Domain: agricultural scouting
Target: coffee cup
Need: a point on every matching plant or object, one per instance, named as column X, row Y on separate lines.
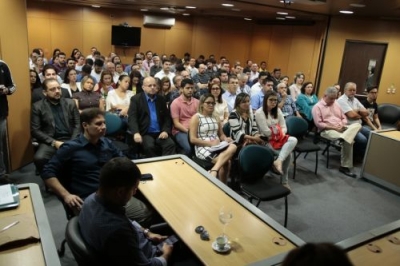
column 221, row 242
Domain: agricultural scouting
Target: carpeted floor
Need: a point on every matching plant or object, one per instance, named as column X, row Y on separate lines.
column 327, row 207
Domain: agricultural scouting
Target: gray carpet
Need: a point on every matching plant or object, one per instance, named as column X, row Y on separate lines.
column 327, row 207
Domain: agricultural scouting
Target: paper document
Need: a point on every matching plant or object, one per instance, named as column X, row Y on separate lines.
column 220, row 146
column 6, row 195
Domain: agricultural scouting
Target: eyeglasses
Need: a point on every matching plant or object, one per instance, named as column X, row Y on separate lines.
column 215, row 89
column 204, row 235
column 210, row 103
column 272, row 100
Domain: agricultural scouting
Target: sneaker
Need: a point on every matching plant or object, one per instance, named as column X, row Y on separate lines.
column 286, row 185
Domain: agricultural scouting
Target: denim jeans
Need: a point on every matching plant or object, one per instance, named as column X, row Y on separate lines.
column 182, row 140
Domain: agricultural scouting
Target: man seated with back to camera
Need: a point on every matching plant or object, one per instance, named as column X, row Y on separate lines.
column 73, row 172
column 115, row 238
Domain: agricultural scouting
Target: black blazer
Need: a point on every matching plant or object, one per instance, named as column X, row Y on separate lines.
column 37, row 94
column 139, row 115
column 42, row 121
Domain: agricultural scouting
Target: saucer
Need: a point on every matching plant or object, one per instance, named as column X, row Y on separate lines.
column 215, row 247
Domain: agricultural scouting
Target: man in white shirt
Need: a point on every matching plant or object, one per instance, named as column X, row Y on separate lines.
column 165, row 72
column 97, row 69
column 254, row 72
column 354, row 112
column 230, row 94
column 256, row 88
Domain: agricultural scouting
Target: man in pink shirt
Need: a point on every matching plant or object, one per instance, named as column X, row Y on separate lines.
column 332, row 124
column 182, row 110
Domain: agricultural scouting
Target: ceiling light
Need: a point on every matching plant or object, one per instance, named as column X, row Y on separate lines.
column 290, row 17
column 185, row 14
column 236, row 9
column 96, row 6
column 287, row 2
column 282, row 13
column 247, row 19
column 190, row 7
column 228, row 5
column 144, row 9
column 164, row 8
column 357, row 5
column 346, row 12
column 280, row 18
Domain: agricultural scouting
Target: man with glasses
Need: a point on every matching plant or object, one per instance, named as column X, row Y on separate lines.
column 286, row 103
column 258, row 98
column 182, row 110
column 150, row 122
column 372, row 120
column 54, row 120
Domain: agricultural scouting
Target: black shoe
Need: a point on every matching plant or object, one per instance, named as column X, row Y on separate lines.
column 347, row 171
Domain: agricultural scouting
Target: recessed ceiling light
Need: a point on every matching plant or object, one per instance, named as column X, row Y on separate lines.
column 164, row 8
column 228, row 5
column 185, row 14
column 357, row 5
column 96, row 6
column 247, row 19
column 280, row 18
column 236, row 9
column 144, row 9
column 287, row 2
column 346, row 12
column 282, row 13
column 290, row 17
column 190, row 7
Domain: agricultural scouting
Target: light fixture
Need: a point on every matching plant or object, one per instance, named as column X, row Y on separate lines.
column 282, row 13
column 346, row 12
column 247, row 19
column 290, row 17
column 96, row 6
column 236, row 9
column 144, row 10
column 280, row 18
column 185, row 14
column 227, row 5
column 164, row 8
column 190, row 7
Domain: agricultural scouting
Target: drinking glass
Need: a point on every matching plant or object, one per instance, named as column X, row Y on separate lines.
column 225, row 216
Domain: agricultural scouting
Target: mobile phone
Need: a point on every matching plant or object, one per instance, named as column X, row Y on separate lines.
column 171, row 240
column 146, row 177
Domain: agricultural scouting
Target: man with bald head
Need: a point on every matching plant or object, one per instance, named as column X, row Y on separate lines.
column 150, row 122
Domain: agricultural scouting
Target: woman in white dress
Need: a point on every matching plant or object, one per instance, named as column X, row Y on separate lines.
column 118, row 100
column 205, row 132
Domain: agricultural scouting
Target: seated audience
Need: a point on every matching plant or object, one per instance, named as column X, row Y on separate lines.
column 243, row 87
column 157, row 67
column 258, row 86
column 324, row 254
column 221, row 107
column 305, row 102
column 135, row 84
column 49, row 72
column 165, row 89
column 182, row 110
column 231, row 91
column 271, row 123
column 205, row 132
column 54, row 120
column 276, row 77
column 73, row 172
column 242, row 122
column 87, row 98
column 286, row 103
column 295, row 88
column 150, row 122
column 97, row 69
column 34, row 80
column 332, row 124
column 372, row 120
column 114, row 238
column 70, row 83
column 166, row 71
column 355, row 112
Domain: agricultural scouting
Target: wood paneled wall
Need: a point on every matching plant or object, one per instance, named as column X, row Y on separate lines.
column 292, row 48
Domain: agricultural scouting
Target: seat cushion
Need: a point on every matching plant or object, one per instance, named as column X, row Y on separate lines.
column 306, row 146
column 265, row 189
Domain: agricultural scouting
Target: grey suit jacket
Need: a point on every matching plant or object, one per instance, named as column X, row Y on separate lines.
column 42, row 120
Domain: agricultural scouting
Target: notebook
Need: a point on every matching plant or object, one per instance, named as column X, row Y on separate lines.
column 9, row 197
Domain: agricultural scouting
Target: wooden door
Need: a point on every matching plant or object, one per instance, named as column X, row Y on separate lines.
column 362, row 64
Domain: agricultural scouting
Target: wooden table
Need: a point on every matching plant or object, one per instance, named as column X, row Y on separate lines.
column 381, row 163
column 37, row 254
column 186, row 196
column 385, row 238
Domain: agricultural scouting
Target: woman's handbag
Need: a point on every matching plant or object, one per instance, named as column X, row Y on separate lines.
column 277, row 138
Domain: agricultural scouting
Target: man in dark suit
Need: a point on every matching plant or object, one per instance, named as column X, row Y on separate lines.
column 150, row 122
column 49, row 72
column 53, row 121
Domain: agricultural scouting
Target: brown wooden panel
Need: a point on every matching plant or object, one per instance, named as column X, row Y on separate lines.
column 66, row 34
column 281, row 42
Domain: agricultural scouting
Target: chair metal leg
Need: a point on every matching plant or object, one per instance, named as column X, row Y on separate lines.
column 61, row 251
column 286, row 211
column 294, row 164
column 327, row 158
column 305, row 155
column 258, row 203
column 316, row 162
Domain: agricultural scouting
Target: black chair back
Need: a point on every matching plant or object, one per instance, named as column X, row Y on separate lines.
column 255, row 161
column 79, row 248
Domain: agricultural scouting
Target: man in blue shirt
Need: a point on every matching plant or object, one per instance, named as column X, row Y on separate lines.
column 150, row 122
column 73, row 172
column 258, row 98
column 115, row 239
